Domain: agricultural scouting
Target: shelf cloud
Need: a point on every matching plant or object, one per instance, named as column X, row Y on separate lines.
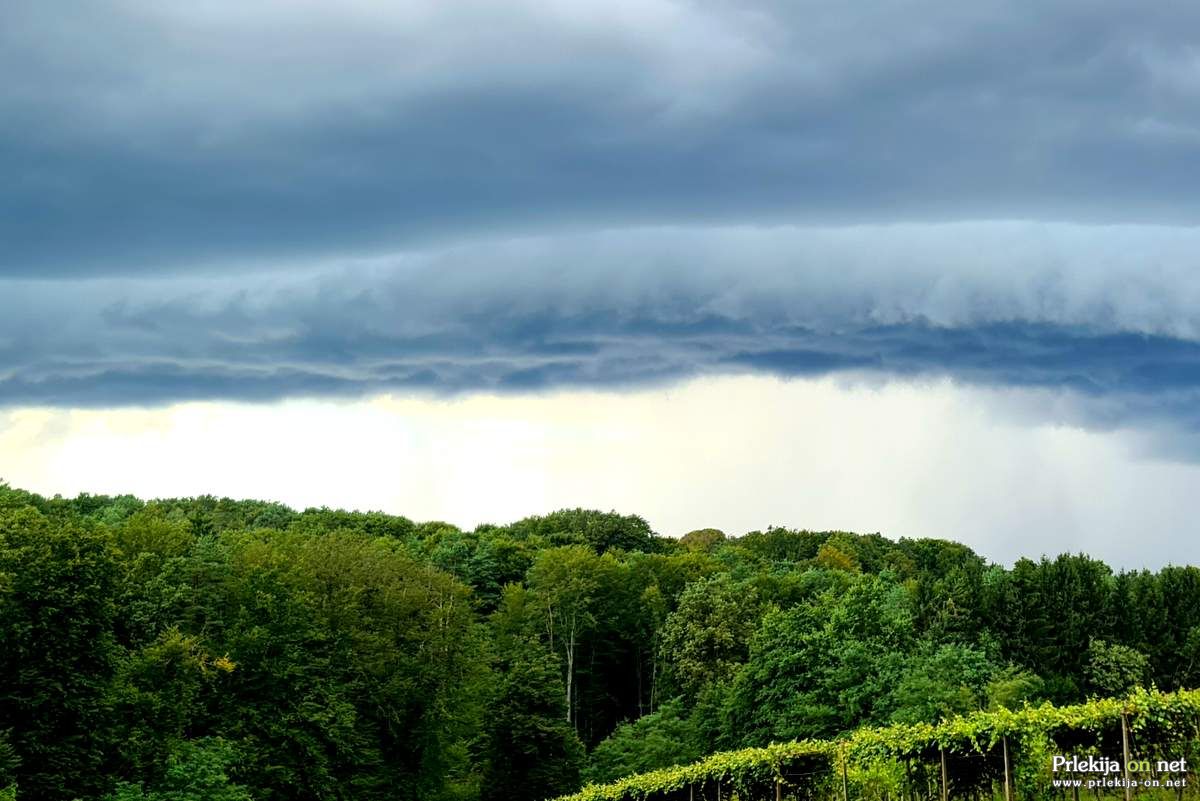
column 1106, row 313
column 216, row 201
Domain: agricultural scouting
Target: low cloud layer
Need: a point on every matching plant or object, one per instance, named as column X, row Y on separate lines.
column 1107, row 314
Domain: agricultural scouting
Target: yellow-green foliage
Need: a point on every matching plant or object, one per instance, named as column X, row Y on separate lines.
column 1165, row 725
column 738, row 768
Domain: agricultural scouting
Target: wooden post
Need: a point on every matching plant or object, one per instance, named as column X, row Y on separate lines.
column 1125, row 753
column 945, row 784
column 691, row 792
column 778, row 790
column 1007, row 787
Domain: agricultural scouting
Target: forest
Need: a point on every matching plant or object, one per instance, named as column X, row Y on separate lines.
column 208, row 648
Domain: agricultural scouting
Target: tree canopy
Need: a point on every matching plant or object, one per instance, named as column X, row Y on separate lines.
column 206, row 647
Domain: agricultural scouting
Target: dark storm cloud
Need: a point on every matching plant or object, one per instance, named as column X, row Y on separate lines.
column 144, row 137
column 1108, row 314
column 253, row 201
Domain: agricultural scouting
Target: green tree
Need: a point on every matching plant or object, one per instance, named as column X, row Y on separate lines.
column 355, row 667
column 195, row 771
column 941, row 682
column 824, row 666
column 1045, row 613
column 1114, row 669
column 708, row 634
column 835, row 556
column 782, row 544
column 658, row 740
column 566, row 582
column 600, row 531
column 1012, row 686
column 57, row 650
column 704, row 540
column 527, row 748
column 159, row 693
column 8, row 769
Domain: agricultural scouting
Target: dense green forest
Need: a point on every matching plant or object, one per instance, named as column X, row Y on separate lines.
column 214, row 649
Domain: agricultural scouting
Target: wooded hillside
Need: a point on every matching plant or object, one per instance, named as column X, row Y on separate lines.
column 217, row 649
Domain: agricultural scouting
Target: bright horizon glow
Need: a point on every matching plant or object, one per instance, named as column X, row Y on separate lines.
column 912, row 459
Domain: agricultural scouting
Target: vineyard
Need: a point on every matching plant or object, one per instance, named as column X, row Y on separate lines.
column 1005, row 754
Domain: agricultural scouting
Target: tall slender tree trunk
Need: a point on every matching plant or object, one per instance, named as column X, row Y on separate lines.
column 641, row 694
column 570, row 671
column 653, row 677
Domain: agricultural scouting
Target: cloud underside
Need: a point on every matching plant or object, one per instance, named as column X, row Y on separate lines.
column 1107, row 314
column 545, row 352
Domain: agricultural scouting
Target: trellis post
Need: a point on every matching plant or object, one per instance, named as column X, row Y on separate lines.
column 1125, row 753
column 778, row 790
column 1007, row 786
column 945, row 784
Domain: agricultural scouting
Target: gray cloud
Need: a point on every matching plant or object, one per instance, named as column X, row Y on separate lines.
column 227, row 201
column 1107, row 315
column 152, row 138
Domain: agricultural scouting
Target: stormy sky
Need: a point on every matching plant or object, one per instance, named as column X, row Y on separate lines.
column 668, row 257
